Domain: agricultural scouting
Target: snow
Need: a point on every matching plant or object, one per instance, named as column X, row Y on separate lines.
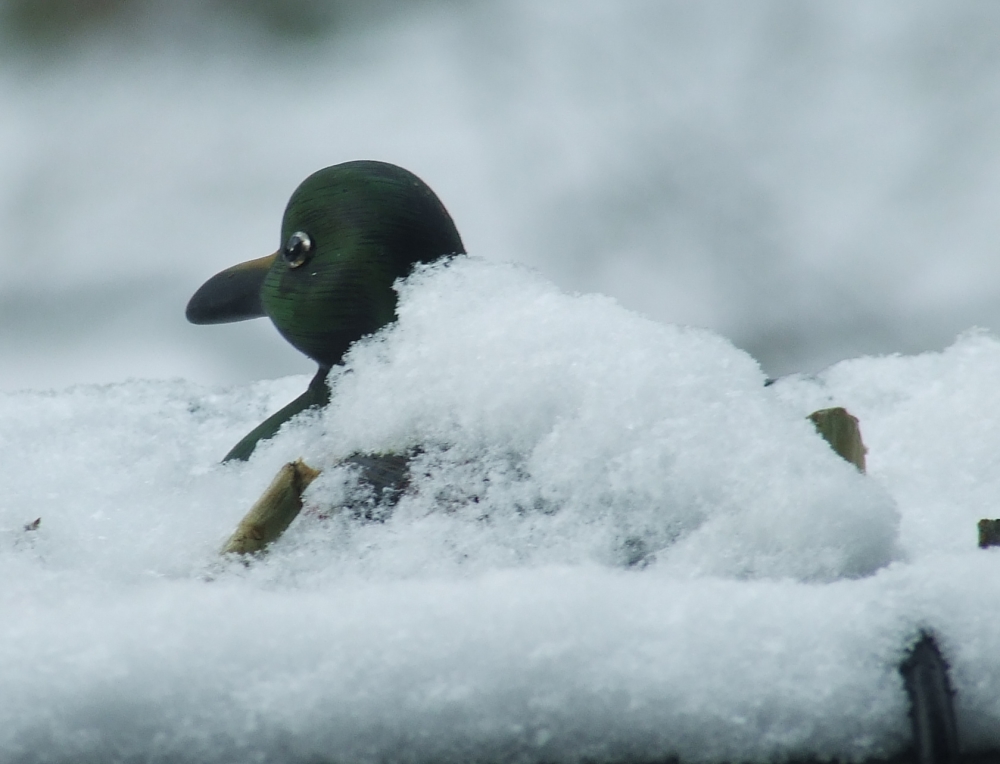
column 617, row 544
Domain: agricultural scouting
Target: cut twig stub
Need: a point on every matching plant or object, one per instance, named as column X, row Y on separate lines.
column 840, row 429
column 989, row 533
column 274, row 510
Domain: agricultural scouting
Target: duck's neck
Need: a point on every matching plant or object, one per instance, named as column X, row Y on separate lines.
column 316, row 395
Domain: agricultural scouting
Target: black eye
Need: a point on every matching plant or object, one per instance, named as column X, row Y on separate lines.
column 296, row 249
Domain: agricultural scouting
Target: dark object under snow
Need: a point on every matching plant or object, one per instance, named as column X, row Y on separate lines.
column 932, row 713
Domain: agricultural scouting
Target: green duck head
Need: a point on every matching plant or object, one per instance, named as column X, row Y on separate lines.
column 349, row 231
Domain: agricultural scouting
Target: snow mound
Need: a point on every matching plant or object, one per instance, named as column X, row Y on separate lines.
column 565, row 429
column 617, row 544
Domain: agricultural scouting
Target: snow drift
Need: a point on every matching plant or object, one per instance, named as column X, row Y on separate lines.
column 616, row 544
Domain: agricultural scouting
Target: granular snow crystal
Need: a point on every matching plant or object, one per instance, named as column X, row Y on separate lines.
column 615, row 543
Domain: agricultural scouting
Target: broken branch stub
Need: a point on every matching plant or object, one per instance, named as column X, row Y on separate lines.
column 840, row 429
column 989, row 533
column 274, row 510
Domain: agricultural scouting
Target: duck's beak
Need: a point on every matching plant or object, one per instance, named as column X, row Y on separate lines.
column 232, row 295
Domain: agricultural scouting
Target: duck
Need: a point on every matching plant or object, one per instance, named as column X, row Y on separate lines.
column 348, row 233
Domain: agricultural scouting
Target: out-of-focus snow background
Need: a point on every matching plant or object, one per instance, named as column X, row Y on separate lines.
column 815, row 181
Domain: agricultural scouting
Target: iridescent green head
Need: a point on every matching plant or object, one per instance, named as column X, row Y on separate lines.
column 349, row 231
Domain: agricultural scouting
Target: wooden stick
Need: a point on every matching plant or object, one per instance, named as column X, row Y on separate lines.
column 274, row 510
column 840, row 429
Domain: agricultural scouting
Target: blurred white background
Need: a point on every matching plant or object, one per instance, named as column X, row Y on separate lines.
column 813, row 180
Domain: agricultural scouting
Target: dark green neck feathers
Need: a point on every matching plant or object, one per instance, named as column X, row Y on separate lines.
column 348, row 233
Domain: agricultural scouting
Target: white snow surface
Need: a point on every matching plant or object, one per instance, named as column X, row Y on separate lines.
column 617, row 543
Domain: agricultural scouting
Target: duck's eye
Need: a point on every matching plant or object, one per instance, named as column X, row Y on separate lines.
column 296, row 249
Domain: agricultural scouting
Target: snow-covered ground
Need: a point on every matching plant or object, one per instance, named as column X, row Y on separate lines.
column 617, row 544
